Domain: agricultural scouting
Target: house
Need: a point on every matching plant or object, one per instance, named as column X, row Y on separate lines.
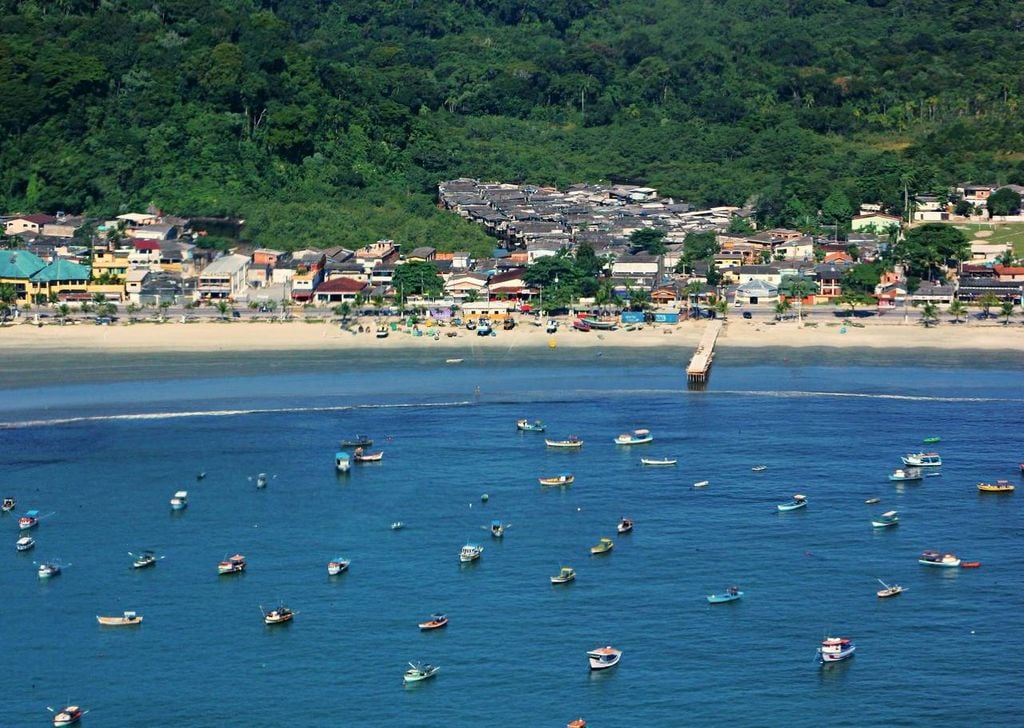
column 378, row 253
column 136, row 219
column 874, row 221
column 28, row 224
column 113, row 263
column 133, row 281
column 637, row 266
column 144, row 253
column 267, row 257
column 767, row 273
column 510, row 285
column 423, row 253
column 338, row 290
column 974, row 193
column 971, row 289
column 158, row 287
column 757, row 291
column 63, row 227
column 1007, row 273
column 929, row 292
column 830, row 280
column 929, row 208
column 224, row 278
column 463, row 285
column 156, row 231
column 34, row 280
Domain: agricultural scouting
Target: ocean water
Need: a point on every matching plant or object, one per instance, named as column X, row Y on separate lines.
column 100, row 447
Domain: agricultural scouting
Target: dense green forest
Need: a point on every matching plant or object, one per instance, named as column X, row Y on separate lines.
column 332, row 122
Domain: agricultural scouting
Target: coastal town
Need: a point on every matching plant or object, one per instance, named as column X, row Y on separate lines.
column 657, row 260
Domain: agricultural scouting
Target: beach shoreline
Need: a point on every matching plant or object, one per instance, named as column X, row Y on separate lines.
column 297, row 335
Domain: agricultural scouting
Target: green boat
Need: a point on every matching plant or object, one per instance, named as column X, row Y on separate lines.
column 932, row 439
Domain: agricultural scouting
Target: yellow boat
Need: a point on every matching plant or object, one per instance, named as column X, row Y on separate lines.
column 563, row 479
column 126, row 620
column 1000, row 486
column 603, row 546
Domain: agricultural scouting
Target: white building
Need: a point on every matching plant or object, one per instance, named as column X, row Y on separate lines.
column 224, row 277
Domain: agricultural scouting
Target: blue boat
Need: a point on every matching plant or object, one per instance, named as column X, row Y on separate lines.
column 525, row 425
column 342, row 461
column 799, row 501
column 905, row 475
column 731, row 595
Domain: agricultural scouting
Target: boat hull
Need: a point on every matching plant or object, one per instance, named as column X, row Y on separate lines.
column 940, row 564
column 557, row 481
column 666, row 462
column 566, row 444
column 724, row 598
column 785, row 507
column 119, row 621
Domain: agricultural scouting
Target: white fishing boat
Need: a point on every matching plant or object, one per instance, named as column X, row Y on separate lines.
column 798, row 501
column 470, row 552
column 127, row 619
column 909, row 474
column 889, row 590
column 922, row 460
column 571, row 442
column 232, row 565
column 397, row 526
column 342, row 462
column 934, row 558
column 636, row 437
column 702, row 484
column 835, row 649
column 9, row 505
column 759, row 468
column 144, row 559
column 180, row 501
column 625, row 525
column 25, row 543
column 418, row 673
column 29, row 520
column 338, row 565
column 659, row 461
column 49, row 569
column 889, row 518
column 261, row 480
column 564, row 576
column 68, row 715
column 604, row 657
column 278, row 616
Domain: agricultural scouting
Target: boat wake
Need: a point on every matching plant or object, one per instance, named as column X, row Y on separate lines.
column 783, row 394
column 220, row 413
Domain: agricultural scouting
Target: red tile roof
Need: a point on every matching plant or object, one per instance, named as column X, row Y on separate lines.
column 341, row 285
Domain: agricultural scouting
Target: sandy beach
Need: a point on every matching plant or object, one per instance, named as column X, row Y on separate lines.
column 238, row 336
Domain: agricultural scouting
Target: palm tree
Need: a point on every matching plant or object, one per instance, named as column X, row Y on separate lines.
column 958, row 309
column 987, row 301
column 8, row 296
column 781, row 308
column 721, row 307
column 344, row 310
column 223, row 307
column 63, row 311
column 929, row 313
column 1006, row 311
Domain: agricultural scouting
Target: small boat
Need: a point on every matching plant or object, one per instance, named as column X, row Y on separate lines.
column 470, row 552
column 625, row 525
column 933, row 558
column 570, row 442
column 497, row 529
column 564, row 576
column 970, row 564
column 578, row 723
column 889, row 518
column 759, row 468
column 835, row 649
column 636, row 437
column 382, row 331
column 342, row 462
column 180, row 500
column 484, row 498
column 909, row 474
column 49, row 569
column 657, row 461
column 25, row 543
column 525, row 425
column 278, row 616
column 604, row 657
column 417, row 673
column 602, row 547
column 1000, row 486
column 232, row 565
column 453, row 361
column 889, row 590
column 200, row 475
column 337, row 565
column 702, row 484
column 397, row 526
column 731, row 595
column 357, row 441
column 8, row 505
column 261, row 480
column 872, row 501
column 563, row 479
column 798, row 501
column 922, row 460
column 141, row 561
column 68, row 715
column 125, row 620
column 29, row 520
column 931, row 440
column 367, row 457
column 580, row 325
column 436, row 621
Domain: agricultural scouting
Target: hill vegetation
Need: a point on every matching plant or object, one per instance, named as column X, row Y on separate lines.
column 332, row 122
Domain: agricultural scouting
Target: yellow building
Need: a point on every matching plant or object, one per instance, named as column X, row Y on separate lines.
column 34, row 280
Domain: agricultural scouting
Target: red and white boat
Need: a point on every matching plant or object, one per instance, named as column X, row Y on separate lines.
column 67, row 716
column 359, row 456
column 836, row 649
column 436, row 621
column 29, row 520
column 604, row 657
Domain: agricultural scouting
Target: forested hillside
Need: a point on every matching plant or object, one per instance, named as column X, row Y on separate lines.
column 316, row 119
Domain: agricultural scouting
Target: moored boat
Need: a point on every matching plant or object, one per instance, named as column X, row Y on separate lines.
column 836, row 649
column 889, row 518
column 970, row 564
column 525, row 425
column 908, row 474
column 730, row 595
column 358, row 441
column 24, row 543
column 127, row 619
column 1000, row 486
column 658, row 461
column 934, row 558
column 564, row 575
column 931, row 440
column 759, row 468
column 872, row 501
column 359, row 456
column 636, row 437
column 179, row 501
column 497, row 528
column 889, row 590
column 602, row 547
column 570, row 442
column 337, row 565
column 604, row 657
column 578, row 723
column 49, row 569
column 418, row 673
column 382, row 331
column 144, row 559
column 232, row 565
column 261, row 480
column 798, row 501
column 470, row 552
column 68, row 715
column 625, row 525
column 342, row 461
column 563, row 479
column 436, row 621
column 397, row 525
column 278, row 616
column 702, row 484
column 29, row 520
column 8, row 505
column 922, row 460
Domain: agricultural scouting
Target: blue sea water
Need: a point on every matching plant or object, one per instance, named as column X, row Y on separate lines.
column 102, row 453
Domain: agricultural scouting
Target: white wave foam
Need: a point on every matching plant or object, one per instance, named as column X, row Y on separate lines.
column 856, row 395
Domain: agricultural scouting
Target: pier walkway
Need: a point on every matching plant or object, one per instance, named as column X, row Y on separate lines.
column 700, row 364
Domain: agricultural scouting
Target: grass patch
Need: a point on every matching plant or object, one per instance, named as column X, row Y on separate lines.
column 1002, row 233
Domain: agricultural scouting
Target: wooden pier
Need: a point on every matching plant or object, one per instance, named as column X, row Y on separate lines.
column 699, row 369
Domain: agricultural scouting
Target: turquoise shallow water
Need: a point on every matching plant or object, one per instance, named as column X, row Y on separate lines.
column 104, row 457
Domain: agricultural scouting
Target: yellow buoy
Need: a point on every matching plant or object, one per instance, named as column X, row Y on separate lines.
column 552, row 344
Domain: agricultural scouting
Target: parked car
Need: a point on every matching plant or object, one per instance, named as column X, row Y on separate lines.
column 747, row 315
